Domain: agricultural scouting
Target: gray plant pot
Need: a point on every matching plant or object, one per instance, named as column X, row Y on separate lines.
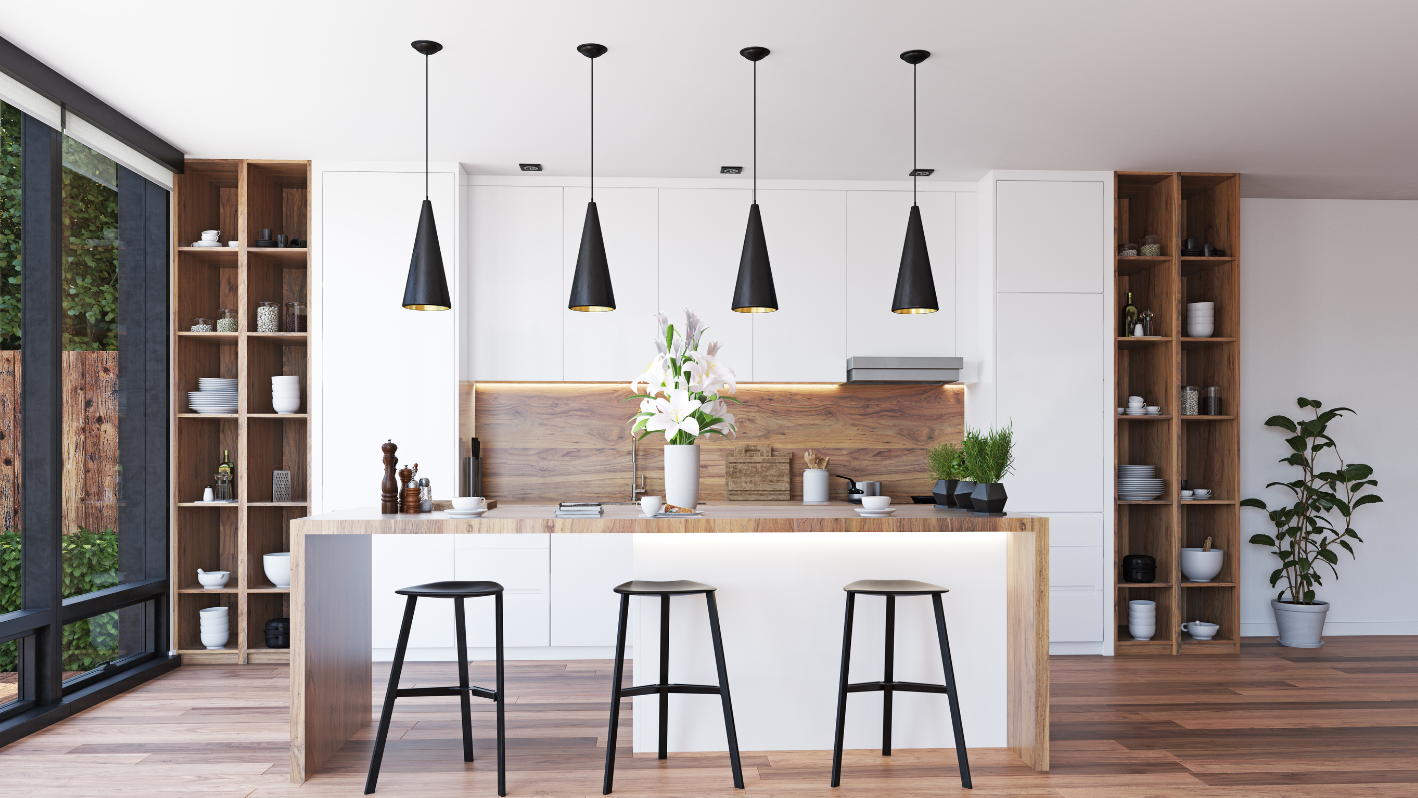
column 989, row 498
column 963, row 489
column 1301, row 625
column 944, row 492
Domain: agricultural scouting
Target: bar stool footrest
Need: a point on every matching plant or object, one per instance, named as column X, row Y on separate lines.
column 415, row 692
column 905, row 687
column 654, row 689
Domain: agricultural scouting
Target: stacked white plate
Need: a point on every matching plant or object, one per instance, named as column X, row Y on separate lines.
column 1139, row 483
column 217, row 395
column 1201, row 319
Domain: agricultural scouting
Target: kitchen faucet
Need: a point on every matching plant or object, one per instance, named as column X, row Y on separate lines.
column 635, row 490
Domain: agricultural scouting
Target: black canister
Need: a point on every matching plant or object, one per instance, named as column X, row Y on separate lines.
column 1139, row 568
column 278, row 633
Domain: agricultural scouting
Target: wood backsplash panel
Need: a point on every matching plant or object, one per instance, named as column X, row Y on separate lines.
column 570, row 441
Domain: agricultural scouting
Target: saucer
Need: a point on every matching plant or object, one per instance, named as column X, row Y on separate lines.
column 207, row 244
column 874, row 513
column 465, row 513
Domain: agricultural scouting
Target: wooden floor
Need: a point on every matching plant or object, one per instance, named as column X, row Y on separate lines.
column 1272, row 722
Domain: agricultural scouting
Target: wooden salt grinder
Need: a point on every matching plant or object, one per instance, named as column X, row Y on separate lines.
column 406, row 475
column 389, row 486
column 411, row 491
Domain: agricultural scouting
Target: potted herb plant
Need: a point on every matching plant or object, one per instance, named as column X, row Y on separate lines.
column 965, row 485
column 1308, row 532
column 947, row 464
column 989, row 457
column 684, row 393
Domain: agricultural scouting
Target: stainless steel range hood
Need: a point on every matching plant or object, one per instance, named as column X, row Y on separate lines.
column 913, row 370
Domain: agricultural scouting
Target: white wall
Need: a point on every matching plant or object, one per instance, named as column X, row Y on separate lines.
column 1327, row 289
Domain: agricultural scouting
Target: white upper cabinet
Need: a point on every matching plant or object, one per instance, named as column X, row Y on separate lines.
column 806, row 339
column 701, row 238
column 518, row 293
column 876, row 231
column 613, row 346
column 1049, row 237
column 1050, row 372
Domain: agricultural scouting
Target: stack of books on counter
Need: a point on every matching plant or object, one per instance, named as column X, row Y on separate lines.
column 578, row 510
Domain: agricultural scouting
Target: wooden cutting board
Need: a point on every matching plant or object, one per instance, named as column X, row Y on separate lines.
column 754, row 473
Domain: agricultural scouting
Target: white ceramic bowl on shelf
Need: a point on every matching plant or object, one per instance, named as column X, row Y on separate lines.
column 215, row 640
column 285, row 403
column 213, row 580
column 277, row 566
column 215, row 612
column 1202, row 566
column 285, row 380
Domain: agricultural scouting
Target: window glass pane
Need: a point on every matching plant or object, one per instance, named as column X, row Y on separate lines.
column 94, row 642
column 9, row 387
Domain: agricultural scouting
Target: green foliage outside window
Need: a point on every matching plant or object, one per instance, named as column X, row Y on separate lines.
column 91, row 248
column 90, row 563
column 9, row 227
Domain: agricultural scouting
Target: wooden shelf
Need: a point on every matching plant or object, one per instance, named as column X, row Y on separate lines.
column 242, row 197
column 1175, row 206
column 208, row 504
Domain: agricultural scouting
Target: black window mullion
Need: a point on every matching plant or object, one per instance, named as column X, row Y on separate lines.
column 41, row 391
column 155, row 389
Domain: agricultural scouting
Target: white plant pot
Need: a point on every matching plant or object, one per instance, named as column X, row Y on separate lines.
column 682, row 475
column 815, row 485
column 277, row 566
column 1301, row 625
column 1202, row 566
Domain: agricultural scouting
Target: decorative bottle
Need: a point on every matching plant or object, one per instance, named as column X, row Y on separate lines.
column 1129, row 318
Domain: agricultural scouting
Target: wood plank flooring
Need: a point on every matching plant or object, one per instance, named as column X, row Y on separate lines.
column 1268, row 723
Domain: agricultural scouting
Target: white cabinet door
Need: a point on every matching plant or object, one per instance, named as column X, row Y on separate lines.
column 1075, row 566
column 701, row 238
column 1075, row 616
column 1075, row 529
column 520, row 564
column 402, row 561
column 1049, row 236
column 584, row 570
column 518, row 296
column 1050, row 372
column 876, row 231
column 369, row 222
column 806, row 339
column 613, row 346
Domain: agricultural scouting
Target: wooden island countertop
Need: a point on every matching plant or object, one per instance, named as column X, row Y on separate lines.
column 331, row 569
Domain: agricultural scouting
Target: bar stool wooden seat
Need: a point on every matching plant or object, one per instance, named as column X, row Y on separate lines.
column 458, row 591
column 891, row 588
column 665, row 590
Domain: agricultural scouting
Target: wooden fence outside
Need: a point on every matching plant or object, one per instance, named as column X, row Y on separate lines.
column 92, row 475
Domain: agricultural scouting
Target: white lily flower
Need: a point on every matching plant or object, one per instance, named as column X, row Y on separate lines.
column 716, row 370
column 692, row 328
column 674, row 415
column 653, row 377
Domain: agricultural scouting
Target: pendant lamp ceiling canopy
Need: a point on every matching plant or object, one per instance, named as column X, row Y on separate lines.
column 426, row 287
column 915, row 285
column 753, row 290
column 591, row 286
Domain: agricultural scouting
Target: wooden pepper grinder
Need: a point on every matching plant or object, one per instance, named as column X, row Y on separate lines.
column 406, row 475
column 389, row 486
column 411, row 490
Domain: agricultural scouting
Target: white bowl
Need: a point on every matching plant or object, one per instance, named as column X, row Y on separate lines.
column 215, row 627
column 215, row 640
column 213, row 579
column 1142, row 603
column 1201, row 630
column 1206, row 305
column 1141, row 615
column 285, row 380
column 277, row 565
column 285, row 404
column 876, row 503
column 1142, row 632
column 215, row 612
column 1122, row 411
column 1200, row 332
column 1202, row 566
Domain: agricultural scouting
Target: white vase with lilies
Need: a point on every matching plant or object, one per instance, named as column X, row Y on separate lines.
column 684, row 392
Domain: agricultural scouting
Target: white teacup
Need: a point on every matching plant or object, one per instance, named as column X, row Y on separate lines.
column 211, row 235
column 1201, row 630
column 876, row 503
column 1202, row 493
column 469, row 503
column 651, row 505
column 1186, row 494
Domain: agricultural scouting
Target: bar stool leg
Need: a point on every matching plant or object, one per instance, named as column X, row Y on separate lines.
column 842, row 693
column 724, row 690
column 619, row 672
column 664, row 676
column 464, row 698
column 501, row 705
column 886, row 691
column 390, row 695
column 959, row 728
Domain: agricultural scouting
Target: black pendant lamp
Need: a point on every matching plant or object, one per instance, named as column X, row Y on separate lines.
column 753, row 291
column 915, row 286
column 426, row 288
column 591, row 287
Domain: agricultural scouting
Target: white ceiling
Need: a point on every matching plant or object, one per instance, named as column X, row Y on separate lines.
column 1307, row 98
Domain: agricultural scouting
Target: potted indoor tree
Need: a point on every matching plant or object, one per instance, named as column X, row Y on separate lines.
column 989, row 458
column 1309, row 531
column 947, row 464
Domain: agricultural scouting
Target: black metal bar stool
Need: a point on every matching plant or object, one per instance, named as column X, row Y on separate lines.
column 458, row 591
column 891, row 588
column 665, row 590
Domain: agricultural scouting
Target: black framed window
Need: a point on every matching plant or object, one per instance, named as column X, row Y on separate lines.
column 83, row 426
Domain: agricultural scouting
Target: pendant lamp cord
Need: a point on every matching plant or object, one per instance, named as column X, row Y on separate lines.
column 425, row 126
column 593, row 130
column 755, row 132
column 913, row 136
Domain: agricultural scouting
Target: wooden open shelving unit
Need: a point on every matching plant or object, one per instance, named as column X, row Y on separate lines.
column 238, row 197
column 1201, row 449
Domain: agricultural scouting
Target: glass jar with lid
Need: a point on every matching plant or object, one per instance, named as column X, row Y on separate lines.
column 1191, row 400
column 1211, row 401
column 295, row 317
column 1151, row 247
column 226, row 320
column 268, row 317
column 201, row 325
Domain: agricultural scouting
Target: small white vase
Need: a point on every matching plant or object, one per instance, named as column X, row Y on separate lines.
column 815, row 485
column 1300, row 625
column 682, row 475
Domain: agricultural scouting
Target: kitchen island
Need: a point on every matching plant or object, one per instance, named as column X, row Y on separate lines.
column 779, row 570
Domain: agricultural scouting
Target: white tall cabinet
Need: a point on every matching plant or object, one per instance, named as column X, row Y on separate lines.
column 1041, row 345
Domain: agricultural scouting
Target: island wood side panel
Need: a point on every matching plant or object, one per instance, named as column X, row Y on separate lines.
column 1027, row 558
